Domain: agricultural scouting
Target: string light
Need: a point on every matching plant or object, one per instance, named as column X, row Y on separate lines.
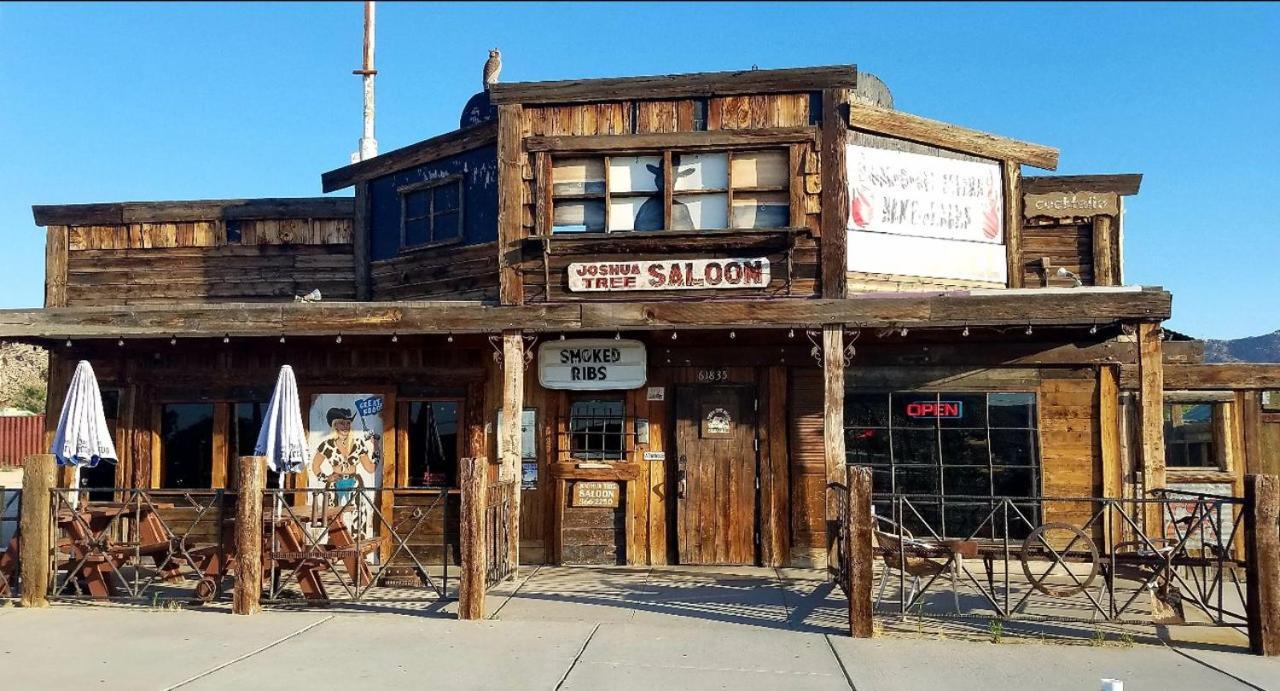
column 450, row 338
column 562, row 337
column 226, row 338
column 338, row 339
column 282, row 338
column 68, row 342
column 791, row 333
column 1093, row 329
column 673, row 335
column 395, row 338
column 733, row 335
column 120, row 343
column 617, row 336
column 965, row 333
column 904, row 331
column 1028, row 331
column 173, row 340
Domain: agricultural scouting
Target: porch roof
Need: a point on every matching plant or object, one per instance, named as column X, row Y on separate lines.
column 1045, row 306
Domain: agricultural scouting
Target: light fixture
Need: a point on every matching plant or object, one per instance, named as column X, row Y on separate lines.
column 120, row 343
column 226, row 338
column 791, row 333
column 395, row 338
column 562, row 337
column 1093, row 329
column 965, row 333
column 282, row 338
column 1028, row 331
column 673, row 335
column 338, row 339
column 733, row 335
column 450, row 338
column 68, row 342
column 617, row 336
column 173, row 340
column 904, row 331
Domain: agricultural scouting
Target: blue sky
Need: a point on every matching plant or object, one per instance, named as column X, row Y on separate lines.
column 120, row 102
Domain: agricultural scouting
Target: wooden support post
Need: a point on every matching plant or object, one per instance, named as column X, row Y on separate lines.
column 1103, row 267
column 39, row 474
column 858, row 553
column 251, row 472
column 833, row 420
column 510, row 203
column 1151, row 418
column 1109, row 425
column 55, row 266
column 473, row 478
column 1012, row 179
column 1262, row 558
column 361, row 238
column 509, row 443
column 835, row 193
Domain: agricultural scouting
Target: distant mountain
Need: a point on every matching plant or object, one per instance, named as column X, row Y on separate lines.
column 1265, row 348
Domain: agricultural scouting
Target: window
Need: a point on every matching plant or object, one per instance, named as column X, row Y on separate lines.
column 104, row 474
column 596, row 431
column 431, row 212
column 1189, row 436
column 671, row 191
column 938, row 448
column 433, row 443
column 246, row 423
column 186, row 446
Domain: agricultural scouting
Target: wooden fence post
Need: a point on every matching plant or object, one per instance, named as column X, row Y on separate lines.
column 1262, row 559
column 474, row 481
column 858, row 550
column 39, row 474
column 251, row 474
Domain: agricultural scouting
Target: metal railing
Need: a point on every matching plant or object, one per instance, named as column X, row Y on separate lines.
column 498, row 522
column 150, row 545
column 10, row 517
column 323, row 545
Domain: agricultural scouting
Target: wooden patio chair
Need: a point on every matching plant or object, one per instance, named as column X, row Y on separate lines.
column 902, row 552
column 9, row 567
column 297, row 558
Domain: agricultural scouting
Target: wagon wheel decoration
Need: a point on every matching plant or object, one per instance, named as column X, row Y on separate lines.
column 1041, row 541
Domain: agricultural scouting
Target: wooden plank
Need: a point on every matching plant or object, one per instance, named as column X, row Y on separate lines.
column 509, row 442
column 895, row 123
column 1124, row 184
column 833, row 415
column 510, row 214
column 55, row 266
column 193, row 210
column 665, row 140
column 1224, row 376
column 473, row 481
column 859, row 553
column 835, row 192
column 775, row 526
column 250, row 477
column 360, row 240
column 1012, row 178
column 1103, row 268
column 694, row 85
column 1109, row 425
column 1262, row 550
column 1151, row 414
column 218, row 450
column 435, row 148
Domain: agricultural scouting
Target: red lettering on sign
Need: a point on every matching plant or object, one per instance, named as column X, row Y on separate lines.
column 941, row 409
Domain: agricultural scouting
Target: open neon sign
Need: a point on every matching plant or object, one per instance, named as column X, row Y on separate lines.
column 935, row 409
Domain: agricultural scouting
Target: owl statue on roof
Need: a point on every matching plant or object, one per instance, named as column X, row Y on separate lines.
column 492, row 67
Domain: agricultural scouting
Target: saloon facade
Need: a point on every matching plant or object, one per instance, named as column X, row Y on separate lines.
column 673, row 307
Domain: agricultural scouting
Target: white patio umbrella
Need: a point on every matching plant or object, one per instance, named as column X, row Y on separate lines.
column 82, row 438
column 282, row 439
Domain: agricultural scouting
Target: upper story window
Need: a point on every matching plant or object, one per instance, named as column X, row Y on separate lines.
column 1190, row 436
column 670, row 190
column 431, row 212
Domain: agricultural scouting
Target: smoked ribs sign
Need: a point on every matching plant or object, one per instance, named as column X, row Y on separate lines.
column 592, row 364
column 668, row 274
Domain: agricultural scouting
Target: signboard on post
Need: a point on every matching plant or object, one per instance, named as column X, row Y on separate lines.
column 592, row 364
column 668, row 274
column 918, row 215
column 599, row 494
column 1070, row 204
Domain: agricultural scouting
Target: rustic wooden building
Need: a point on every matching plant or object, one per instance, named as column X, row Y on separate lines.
column 674, row 308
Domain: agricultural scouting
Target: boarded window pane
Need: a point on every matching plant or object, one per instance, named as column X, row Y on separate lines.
column 700, row 172
column 700, row 212
column 635, row 213
column 760, row 169
column 577, row 176
column 578, row 216
column 761, row 210
column 635, row 174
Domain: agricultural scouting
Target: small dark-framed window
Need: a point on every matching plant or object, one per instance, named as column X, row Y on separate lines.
column 431, row 212
column 186, row 446
column 1191, row 435
column 597, row 430
column 434, row 442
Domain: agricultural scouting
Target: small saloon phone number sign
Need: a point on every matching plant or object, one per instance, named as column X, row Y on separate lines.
column 672, row 274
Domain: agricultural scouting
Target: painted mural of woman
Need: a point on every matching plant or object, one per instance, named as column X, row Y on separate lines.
column 342, row 455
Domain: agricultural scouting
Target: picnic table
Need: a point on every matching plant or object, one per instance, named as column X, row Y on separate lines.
column 94, row 555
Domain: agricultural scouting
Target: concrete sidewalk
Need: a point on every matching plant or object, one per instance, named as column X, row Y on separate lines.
column 574, row 628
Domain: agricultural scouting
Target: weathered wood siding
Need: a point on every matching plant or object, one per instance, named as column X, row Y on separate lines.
column 1068, row 245
column 209, row 261
column 459, row 272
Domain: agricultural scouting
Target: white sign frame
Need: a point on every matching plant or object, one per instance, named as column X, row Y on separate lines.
column 628, row 371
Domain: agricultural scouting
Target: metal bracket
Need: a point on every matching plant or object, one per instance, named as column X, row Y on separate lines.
column 529, row 341
column 815, row 337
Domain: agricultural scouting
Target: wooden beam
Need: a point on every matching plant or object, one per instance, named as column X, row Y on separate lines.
column 1227, row 376
column 694, row 85
column 510, row 201
column 1109, row 424
column 250, row 477
column 1151, row 416
column 509, row 441
column 833, row 422
column 38, row 478
column 473, row 481
column 1116, row 184
column 1012, row 178
column 361, row 241
column 1262, row 552
column 859, row 554
column 426, row 151
column 835, row 193
column 895, row 123
column 55, row 267
column 669, row 140
column 118, row 213
column 1103, row 267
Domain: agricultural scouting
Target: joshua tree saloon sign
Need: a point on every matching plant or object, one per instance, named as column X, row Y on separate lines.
column 669, row 274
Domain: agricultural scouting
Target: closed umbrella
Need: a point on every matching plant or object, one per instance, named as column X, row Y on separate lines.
column 83, row 438
column 282, row 438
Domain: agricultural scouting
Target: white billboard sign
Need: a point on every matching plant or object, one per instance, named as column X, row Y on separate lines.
column 592, row 364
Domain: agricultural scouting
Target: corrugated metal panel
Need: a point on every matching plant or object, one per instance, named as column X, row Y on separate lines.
column 20, row 436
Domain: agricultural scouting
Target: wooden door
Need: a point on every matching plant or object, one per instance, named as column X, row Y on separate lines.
column 716, row 474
